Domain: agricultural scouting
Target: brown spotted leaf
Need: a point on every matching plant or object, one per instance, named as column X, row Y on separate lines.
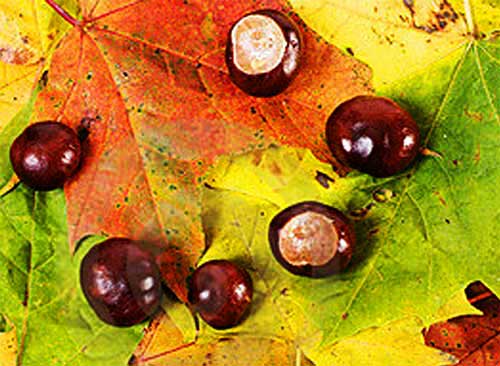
column 473, row 339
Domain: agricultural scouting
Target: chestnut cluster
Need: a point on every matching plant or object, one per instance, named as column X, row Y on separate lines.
column 122, row 283
column 265, row 49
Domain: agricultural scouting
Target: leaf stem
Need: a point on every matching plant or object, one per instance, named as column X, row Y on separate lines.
column 63, row 13
column 165, row 353
column 469, row 18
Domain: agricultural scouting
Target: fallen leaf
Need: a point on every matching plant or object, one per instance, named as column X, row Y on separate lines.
column 412, row 248
column 48, row 318
column 398, row 343
column 128, row 67
column 473, row 339
column 164, row 345
column 396, row 38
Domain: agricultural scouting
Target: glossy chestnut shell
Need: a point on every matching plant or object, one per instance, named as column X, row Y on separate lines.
column 311, row 239
column 373, row 135
column 263, row 52
column 121, row 282
column 221, row 292
column 45, row 155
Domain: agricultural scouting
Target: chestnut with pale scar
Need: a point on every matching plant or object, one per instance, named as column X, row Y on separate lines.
column 311, row 239
column 259, row 44
column 308, row 238
column 263, row 52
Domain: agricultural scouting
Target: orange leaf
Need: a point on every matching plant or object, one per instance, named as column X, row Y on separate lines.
column 150, row 76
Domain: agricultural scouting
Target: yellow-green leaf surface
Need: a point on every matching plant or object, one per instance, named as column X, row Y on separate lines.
column 397, row 38
column 278, row 330
column 28, row 31
column 413, row 248
column 47, row 320
column 396, row 344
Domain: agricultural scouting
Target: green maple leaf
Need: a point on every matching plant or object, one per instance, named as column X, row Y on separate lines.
column 435, row 235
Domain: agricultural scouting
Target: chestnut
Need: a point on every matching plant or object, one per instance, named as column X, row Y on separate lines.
column 373, row 135
column 45, row 155
column 263, row 52
column 121, row 282
column 311, row 239
column 221, row 292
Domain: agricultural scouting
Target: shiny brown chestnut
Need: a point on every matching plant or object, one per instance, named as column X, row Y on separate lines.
column 373, row 135
column 221, row 292
column 45, row 155
column 311, row 239
column 121, row 282
column 263, row 52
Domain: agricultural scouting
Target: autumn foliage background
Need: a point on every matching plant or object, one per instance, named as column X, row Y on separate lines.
column 181, row 158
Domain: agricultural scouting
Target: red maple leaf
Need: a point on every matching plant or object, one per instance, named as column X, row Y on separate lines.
column 473, row 339
column 150, row 74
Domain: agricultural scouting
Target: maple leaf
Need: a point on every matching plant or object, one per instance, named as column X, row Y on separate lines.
column 473, row 339
column 399, row 38
column 128, row 67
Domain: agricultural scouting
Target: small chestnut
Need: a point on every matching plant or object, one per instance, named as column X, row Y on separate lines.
column 373, row 135
column 221, row 292
column 45, row 155
column 311, row 239
column 263, row 52
column 121, row 282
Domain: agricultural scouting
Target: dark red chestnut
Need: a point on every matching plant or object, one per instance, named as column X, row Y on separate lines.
column 373, row 135
column 45, row 155
column 221, row 292
column 263, row 52
column 311, row 239
column 121, row 282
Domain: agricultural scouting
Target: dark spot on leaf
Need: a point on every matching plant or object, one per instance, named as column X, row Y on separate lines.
column 44, row 79
column 350, row 51
column 257, row 158
column 132, row 361
column 476, row 116
column 441, row 198
column 447, row 221
column 361, row 212
column 275, row 169
column 344, row 316
column 323, row 179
